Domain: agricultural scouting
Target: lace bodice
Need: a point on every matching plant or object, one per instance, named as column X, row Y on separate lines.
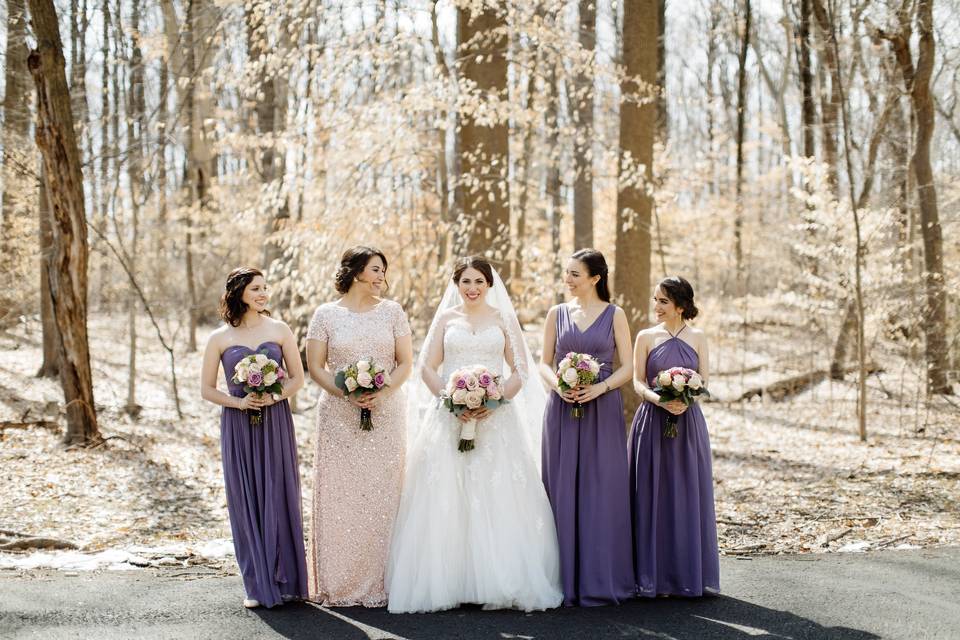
column 463, row 348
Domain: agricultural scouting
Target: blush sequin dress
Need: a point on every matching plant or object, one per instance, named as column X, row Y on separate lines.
column 357, row 474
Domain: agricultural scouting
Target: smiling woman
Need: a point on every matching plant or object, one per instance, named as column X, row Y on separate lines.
column 257, row 441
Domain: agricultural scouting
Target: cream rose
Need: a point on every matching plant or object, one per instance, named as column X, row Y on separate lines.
column 364, row 379
column 474, row 398
column 269, row 378
column 664, row 379
column 679, row 383
column 472, row 382
column 351, row 384
column 493, row 392
column 570, row 377
column 363, row 365
column 594, row 366
column 459, row 396
column 695, row 382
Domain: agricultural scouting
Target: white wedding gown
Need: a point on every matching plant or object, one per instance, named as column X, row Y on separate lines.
column 474, row 526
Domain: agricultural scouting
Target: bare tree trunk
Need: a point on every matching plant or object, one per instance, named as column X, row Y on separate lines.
column 935, row 326
column 637, row 130
column 50, row 368
column 136, row 134
column 16, row 131
column 552, row 180
column 484, row 148
column 808, row 109
column 830, row 98
column 741, row 125
column 100, row 221
column 583, row 138
column 68, row 278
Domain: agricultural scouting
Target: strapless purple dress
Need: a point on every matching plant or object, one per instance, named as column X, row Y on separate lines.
column 262, row 479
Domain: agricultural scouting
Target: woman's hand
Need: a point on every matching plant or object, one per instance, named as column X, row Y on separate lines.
column 474, row 414
column 252, row 400
column 590, row 392
column 372, row 400
column 676, row 407
column 567, row 396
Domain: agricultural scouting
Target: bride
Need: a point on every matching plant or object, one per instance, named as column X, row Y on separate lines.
column 474, row 526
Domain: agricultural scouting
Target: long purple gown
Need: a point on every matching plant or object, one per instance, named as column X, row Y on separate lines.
column 262, row 479
column 586, row 476
column 674, row 524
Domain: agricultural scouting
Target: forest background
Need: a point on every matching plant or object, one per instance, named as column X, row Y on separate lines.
column 795, row 160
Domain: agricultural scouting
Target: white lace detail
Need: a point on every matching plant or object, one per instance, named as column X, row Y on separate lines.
column 463, row 348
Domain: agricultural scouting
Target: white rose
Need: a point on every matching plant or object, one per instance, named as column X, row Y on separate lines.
column 695, row 382
column 363, row 365
column 679, row 383
column 459, row 396
column 594, row 366
column 570, row 377
column 664, row 379
column 386, row 379
column 474, row 398
column 564, row 364
column 351, row 384
column 472, row 382
column 261, row 359
column 364, row 379
column 269, row 378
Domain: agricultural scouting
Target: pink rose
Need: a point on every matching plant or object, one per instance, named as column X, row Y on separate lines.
column 281, row 374
column 583, row 365
column 461, row 382
column 485, row 379
column 493, row 392
column 379, row 380
column 255, row 379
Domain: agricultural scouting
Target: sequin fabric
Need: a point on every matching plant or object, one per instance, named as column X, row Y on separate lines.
column 357, row 474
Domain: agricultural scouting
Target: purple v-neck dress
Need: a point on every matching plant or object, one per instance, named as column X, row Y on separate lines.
column 586, row 476
column 674, row 524
column 262, row 479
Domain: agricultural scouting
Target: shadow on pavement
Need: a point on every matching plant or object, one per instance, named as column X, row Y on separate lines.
column 720, row 618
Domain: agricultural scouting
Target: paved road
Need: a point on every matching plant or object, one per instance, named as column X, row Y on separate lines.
column 894, row 594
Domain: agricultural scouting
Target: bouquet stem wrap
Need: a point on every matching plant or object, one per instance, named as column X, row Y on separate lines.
column 366, row 420
column 468, row 432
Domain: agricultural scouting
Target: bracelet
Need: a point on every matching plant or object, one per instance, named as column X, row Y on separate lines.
column 607, row 390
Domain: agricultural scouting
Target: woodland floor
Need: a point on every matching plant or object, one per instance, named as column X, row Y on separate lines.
column 791, row 476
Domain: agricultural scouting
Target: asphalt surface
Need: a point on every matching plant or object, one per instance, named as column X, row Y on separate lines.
column 892, row 594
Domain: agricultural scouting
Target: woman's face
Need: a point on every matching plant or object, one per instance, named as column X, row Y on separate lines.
column 664, row 308
column 473, row 286
column 578, row 279
column 255, row 294
column 373, row 276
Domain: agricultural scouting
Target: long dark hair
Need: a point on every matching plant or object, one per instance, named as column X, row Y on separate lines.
column 352, row 264
column 597, row 266
column 232, row 306
column 680, row 293
column 473, row 262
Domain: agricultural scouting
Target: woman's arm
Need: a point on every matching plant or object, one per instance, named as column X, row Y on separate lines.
column 317, row 366
column 294, row 368
column 208, row 381
column 433, row 360
column 621, row 336
column 640, row 352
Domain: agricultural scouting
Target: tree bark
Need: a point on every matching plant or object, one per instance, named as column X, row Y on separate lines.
column 935, row 326
column 50, row 367
column 483, row 147
column 68, row 277
column 583, row 139
column 741, row 126
column 808, row 109
column 637, row 130
column 136, row 134
column 16, row 131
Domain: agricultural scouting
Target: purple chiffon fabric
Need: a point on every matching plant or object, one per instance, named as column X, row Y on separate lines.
column 674, row 524
column 262, row 480
column 586, row 476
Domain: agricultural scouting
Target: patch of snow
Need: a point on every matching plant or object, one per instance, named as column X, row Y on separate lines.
column 131, row 558
column 855, row 547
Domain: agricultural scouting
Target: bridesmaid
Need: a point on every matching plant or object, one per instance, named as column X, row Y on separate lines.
column 675, row 529
column 260, row 466
column 585, row 459
column 357, row 474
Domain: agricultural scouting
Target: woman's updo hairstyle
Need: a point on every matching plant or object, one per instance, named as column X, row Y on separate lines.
column 597, row 266
column 473, row 262
column 352, row 264
column 681, row 295
column 232, row 306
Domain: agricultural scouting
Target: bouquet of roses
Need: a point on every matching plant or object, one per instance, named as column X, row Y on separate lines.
column 363, row 376
column 574, row 370
column 259, row 374
column 472, row 388
column 678, row 383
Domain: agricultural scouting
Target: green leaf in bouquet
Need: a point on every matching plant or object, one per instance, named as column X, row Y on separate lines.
column 490, row 404
column 339, row 379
